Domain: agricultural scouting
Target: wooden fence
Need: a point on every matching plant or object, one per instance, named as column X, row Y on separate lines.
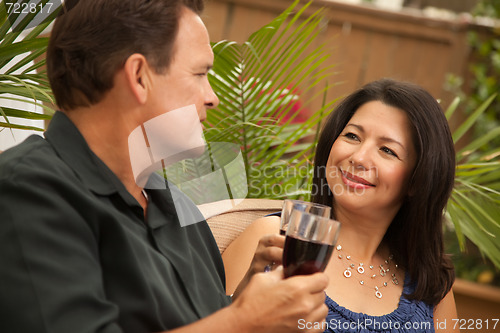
column 367, row 43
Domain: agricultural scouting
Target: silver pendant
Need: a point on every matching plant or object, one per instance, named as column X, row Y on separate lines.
column 382, row 271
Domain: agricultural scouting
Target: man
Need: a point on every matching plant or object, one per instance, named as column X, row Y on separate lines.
column 84, row 248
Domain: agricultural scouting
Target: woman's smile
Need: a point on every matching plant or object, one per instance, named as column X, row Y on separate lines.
column 354, row 181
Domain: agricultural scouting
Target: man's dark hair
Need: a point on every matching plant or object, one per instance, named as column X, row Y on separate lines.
column 92, row 39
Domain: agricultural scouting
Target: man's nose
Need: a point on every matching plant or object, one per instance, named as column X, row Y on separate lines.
column 211, row 100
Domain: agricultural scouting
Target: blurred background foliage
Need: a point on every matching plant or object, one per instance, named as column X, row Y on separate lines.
column 484, row 73
column 483, row 83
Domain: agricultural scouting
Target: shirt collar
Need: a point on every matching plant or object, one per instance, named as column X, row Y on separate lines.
column 71, row 146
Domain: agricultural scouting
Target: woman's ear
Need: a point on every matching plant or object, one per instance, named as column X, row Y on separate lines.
column 138, row 76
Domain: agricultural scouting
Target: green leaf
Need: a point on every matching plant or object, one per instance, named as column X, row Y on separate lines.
column 22, row 47
column 478, row 143
column 469, row 122
column 452, row 108
column 23, row 127
column 25, row 114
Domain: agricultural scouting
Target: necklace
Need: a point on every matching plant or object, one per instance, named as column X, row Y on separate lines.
column 383, row 271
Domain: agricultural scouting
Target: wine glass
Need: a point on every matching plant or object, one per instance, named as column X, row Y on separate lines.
column 309, row 207
column 309, row 243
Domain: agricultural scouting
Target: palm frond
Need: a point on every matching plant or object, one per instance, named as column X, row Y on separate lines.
column 474, row 206
column 261, row 86
column 21, row 50
column 471, row 120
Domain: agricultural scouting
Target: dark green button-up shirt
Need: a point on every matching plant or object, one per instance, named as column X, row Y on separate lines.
column 77, row 255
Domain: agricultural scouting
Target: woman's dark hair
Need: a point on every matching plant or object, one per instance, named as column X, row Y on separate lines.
column 415, row 236
column 92, row 39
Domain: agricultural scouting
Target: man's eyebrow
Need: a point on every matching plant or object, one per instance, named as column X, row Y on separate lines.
column 206, row 67
column 382, row 138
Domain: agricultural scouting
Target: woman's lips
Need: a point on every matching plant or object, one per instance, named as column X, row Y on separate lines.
column 354, row 181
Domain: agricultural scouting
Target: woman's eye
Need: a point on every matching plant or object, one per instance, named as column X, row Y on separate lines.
column 351, row 136
column 389, row 151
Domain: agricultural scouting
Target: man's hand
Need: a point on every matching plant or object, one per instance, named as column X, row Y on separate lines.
column 274, row 304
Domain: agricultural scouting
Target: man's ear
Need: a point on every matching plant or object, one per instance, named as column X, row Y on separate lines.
column 138, row 75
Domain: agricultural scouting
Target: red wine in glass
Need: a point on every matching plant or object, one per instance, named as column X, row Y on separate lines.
column 302, row 257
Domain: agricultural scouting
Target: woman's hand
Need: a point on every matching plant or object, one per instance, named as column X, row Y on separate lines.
column 258, row 246
column 268, row 255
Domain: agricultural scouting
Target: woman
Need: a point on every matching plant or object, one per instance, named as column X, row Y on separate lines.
column 385, row 163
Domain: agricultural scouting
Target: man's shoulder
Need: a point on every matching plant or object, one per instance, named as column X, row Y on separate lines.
column 31, row 156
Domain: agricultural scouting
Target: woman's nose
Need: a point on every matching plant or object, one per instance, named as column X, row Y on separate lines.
column 361, row 158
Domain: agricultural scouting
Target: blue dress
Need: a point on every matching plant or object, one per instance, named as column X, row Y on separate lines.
column 410, row 316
